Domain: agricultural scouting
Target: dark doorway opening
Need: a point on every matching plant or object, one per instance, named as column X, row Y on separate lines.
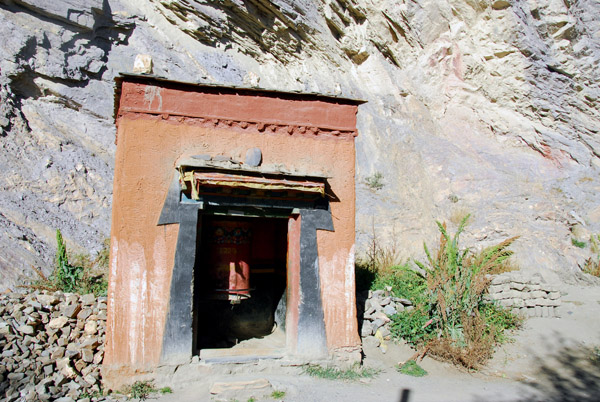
column 239, row 279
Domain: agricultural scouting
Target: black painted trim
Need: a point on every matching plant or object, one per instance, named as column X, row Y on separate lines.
column 312, row 338
column 170, row 211
column 178, row 335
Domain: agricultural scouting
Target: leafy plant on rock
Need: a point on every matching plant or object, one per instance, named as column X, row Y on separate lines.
column 78, row 273
column 65, row 275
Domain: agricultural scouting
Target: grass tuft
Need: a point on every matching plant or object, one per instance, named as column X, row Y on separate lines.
column 335, row 373
column 140, row 390
column 412, row 368
column 375, row 181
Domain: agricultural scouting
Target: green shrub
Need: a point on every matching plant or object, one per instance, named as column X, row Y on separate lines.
column 413, row 326
column 577, row 243
column 450, row 319
column 405, row 282
column 498, row 320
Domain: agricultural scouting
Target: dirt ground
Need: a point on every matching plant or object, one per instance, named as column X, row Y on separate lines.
column 548, row 360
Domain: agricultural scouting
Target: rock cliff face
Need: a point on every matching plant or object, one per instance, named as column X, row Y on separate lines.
column 487, row 107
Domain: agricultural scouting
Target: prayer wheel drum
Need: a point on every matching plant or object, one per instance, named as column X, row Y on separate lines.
column 228, row 260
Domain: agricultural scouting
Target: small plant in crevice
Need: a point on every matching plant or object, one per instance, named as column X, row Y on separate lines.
column 578, row 243
column 592, row 264
column 165, row 390
column 375, row 181
column 450, row 319
column 278, row 394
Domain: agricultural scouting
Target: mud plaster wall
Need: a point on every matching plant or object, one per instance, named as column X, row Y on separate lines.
column 149, row 145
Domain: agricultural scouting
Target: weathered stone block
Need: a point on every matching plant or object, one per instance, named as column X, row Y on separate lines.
column 500, row 279
column 554, row 295
column 385, row 332
column 15, row 376
column 80, row 364
column 68, row 372
column 47, row 300
column 98, row 357
column 71, row 310
column 517, row 302
column 530, row 302
column 26, row 329
column 378, row 323
column 84, row 314
column 91, row 328
column 381, row 316
column 389, row 310
column 58, row 353
column 58, row 322
column 48, row 370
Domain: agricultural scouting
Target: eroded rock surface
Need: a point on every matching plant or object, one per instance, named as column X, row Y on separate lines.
column 487, row 107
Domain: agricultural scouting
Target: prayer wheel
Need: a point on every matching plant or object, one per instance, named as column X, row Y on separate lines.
column 228, row 260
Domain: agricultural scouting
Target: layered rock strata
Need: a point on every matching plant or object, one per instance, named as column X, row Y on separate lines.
column 486, row 107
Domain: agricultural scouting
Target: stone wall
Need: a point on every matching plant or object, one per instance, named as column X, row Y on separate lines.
column 376, row 307
column 52, row 346
column 526, row 294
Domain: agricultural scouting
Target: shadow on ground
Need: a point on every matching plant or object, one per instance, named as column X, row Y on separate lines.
column 570, row 374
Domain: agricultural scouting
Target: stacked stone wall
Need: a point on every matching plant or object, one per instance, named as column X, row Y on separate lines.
column 376, row 307
column 524, row 294
column 52, row 346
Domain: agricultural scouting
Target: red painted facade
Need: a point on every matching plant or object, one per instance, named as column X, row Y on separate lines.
column 160, row 123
